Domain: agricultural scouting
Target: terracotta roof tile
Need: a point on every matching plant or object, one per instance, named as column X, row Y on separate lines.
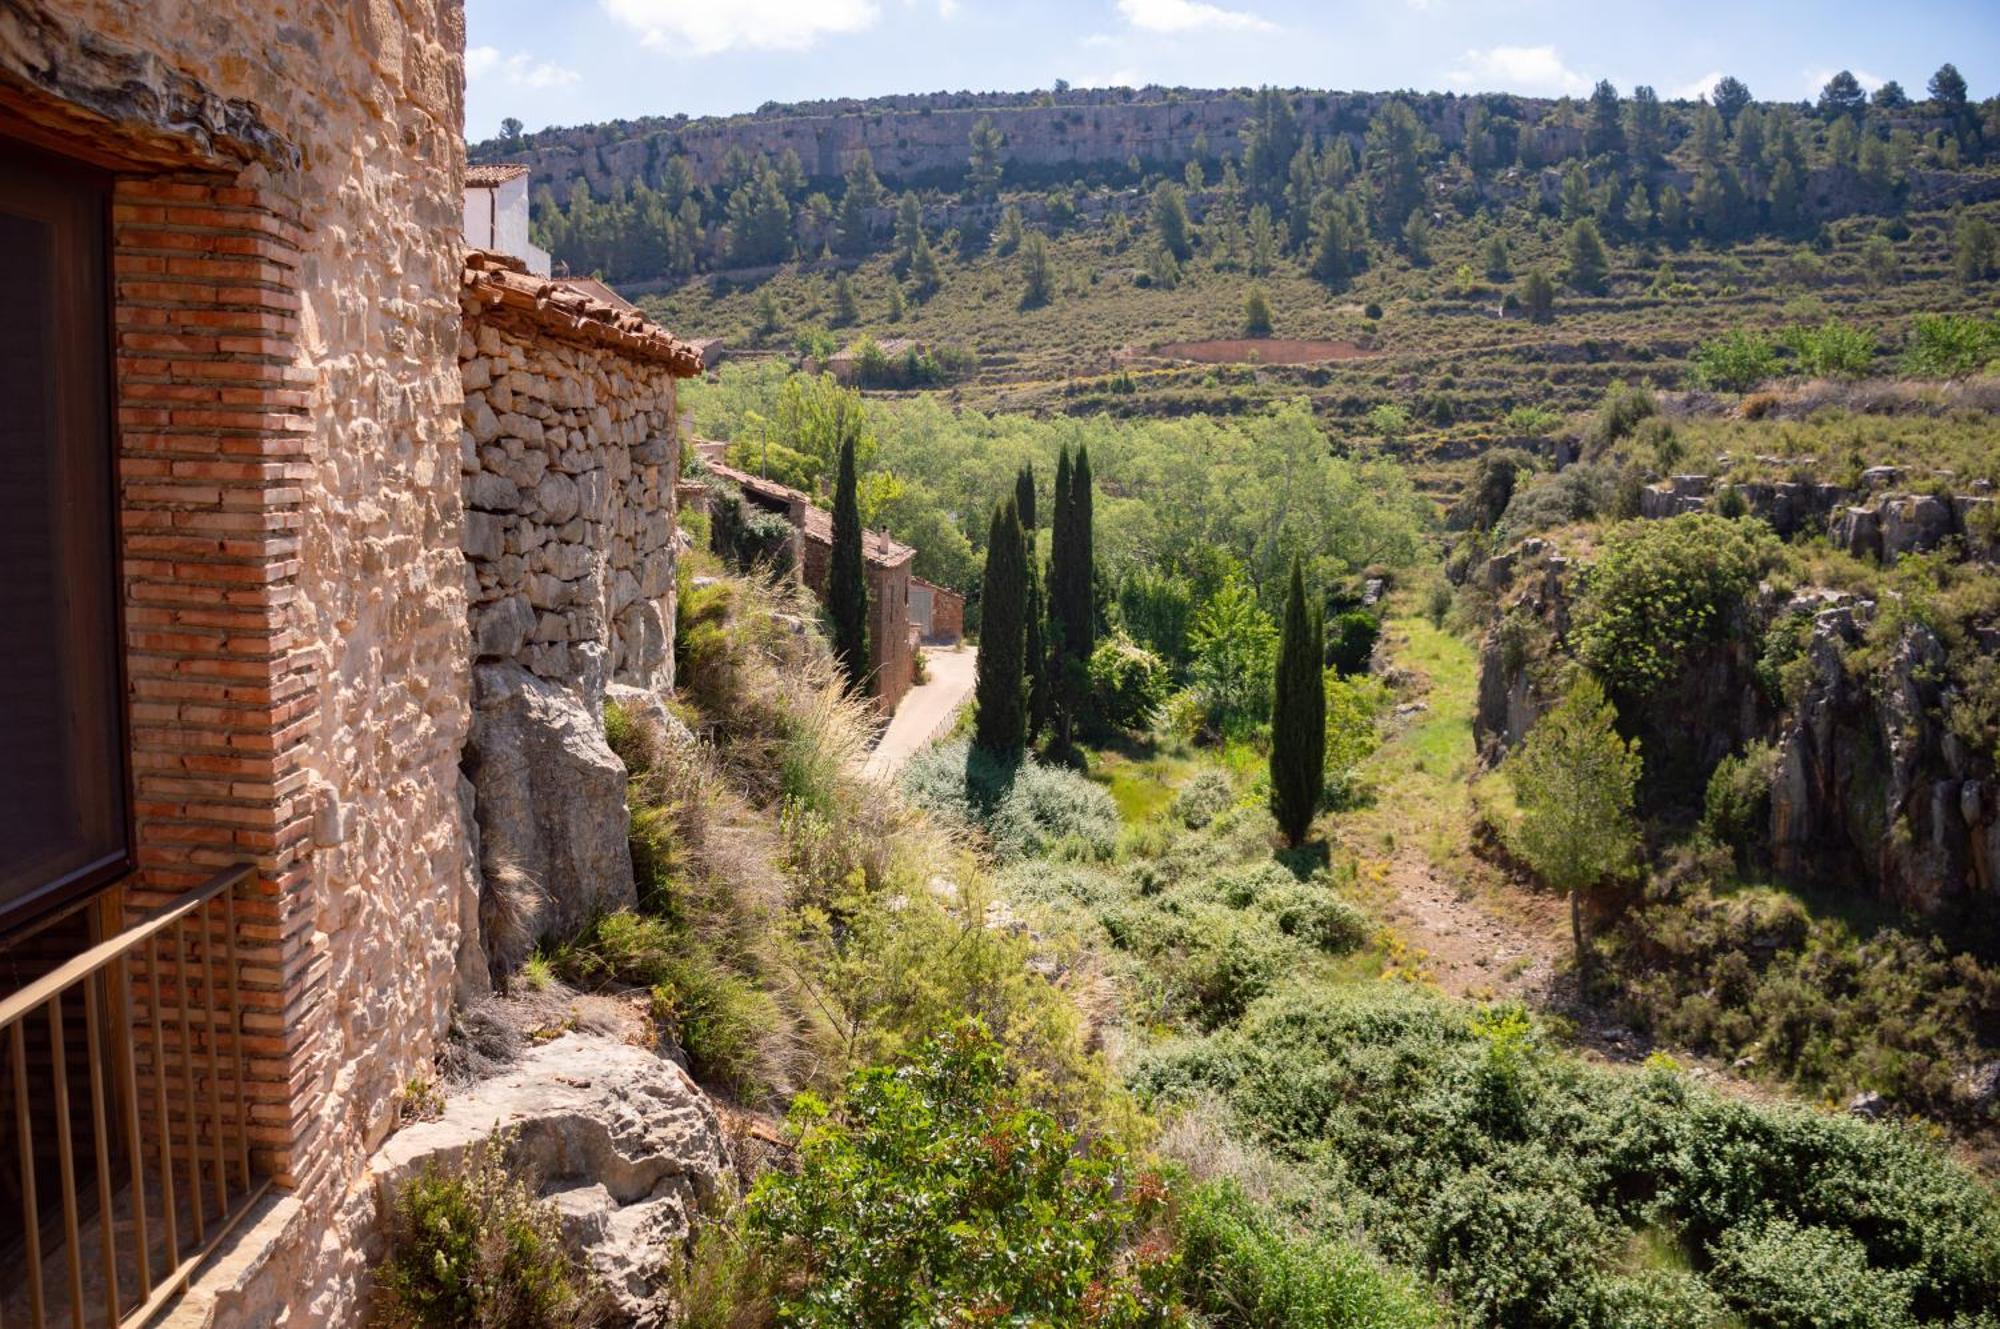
column 492, row 174
column 502, row 282
column 876, row 547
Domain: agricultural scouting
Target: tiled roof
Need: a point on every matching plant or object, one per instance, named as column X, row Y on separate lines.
column 493, row 174
column 597, row 290
column 501, row 281
column 817, row 524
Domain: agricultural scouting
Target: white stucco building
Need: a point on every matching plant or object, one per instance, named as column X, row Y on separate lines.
column 496, row 214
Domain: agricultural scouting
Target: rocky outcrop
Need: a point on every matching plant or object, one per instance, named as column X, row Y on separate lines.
column 1515, row 683
column 549, row 799
column 618, row 1138
column 1872, row 784
column 1899, row 524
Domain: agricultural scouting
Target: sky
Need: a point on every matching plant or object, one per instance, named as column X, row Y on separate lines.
column 567, row 62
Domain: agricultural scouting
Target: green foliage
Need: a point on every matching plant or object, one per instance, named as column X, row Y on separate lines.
column 1256, row 313
column 1538, row 297
column 1203, row 798
column 1350, row 640
column 1025, row 810
column 1524, row 1206
column 1353, row 706
column 1751, row 973
column 1243, row 1268
column 1660, row 590
column 1576, row 781
column 932, row 1194
column 1811, row 1278
column 1037, row 275
column 471, row 1248
column 1736, row 808
column 1832, row 350
column 1734, row 362
column 1233, row 643
column 1589, row 263
column 1000, row 698
column 1298, row 717
column 1951, row 345
column 1624, row 407
column 846, row 579
column 1128, row 683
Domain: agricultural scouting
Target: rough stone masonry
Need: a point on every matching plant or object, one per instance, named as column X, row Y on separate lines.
column 569, row 463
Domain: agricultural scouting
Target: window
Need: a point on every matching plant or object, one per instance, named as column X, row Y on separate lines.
column 64, row 827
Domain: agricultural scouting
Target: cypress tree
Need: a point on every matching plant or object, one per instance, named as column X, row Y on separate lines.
column 1298, row 717
column 1041, row 698
column 846, row 581
column 1082, row 626
column 1001, row 722
column 1037, row 660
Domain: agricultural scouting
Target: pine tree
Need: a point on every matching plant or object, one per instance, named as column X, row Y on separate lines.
column 1538, row 297
column 845, row 309
column 1256, row 313
column 982, row 179
column 1298, row 716
column 1330, row 257
column 1000, row 723
column 1037, row 280
column 925, row 274
column 1589, row 264
column 846, row 578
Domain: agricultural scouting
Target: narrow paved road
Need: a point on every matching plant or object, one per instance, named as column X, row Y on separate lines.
column 926, row 712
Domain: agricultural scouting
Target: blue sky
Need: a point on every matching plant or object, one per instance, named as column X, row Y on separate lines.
column 569, row 63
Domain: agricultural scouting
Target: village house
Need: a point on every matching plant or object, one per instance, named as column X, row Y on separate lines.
column 892, row 635
column 327, row 541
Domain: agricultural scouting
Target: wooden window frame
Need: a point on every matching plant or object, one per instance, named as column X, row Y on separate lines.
column 94, row 399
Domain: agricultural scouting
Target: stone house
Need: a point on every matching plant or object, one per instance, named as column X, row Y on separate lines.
column 937, row 612
column 240, row 875
column 845, row 364
column 892, row 635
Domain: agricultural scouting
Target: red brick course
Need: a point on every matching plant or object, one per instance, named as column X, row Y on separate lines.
column 211, row 415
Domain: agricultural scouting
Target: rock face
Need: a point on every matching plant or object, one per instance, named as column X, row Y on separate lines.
column 550, row 796
column 1871, row 788
column 1871, row 784
column 617, row 1138
column 1899, row 524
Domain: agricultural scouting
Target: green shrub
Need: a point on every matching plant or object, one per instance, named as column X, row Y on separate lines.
column 1238, row 1266
column 470, row 1248
column 1736, row 808
column 1833, row 349
column 1734, row 362
column 1951, row 345
column 1350, row 640
column 1128, row 683
column 1784, row 1276
column 1024, row 809
column 1624, row 407
column 932, row 1195
column 1661, row 589
column 1207, row 792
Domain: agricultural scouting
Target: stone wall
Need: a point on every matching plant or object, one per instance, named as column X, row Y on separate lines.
column 569, row 464
column 286, row 265
column 570, row 468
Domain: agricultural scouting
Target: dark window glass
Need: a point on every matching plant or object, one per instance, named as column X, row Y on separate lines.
column 63, row 822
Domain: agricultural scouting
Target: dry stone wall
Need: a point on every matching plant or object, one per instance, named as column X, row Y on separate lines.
column 568, row 461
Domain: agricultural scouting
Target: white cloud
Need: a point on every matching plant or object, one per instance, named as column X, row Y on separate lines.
column 519, row 70
column 1177, row 16
column 1524, row 69
column 696, row 27
column 1695, row 89
column 1816, row 79
column 1115, row 78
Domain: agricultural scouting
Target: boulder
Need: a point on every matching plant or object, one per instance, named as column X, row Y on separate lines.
column 617, row 1138
column 549, row 793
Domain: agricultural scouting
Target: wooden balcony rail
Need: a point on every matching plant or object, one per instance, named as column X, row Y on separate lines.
column 151, row 1129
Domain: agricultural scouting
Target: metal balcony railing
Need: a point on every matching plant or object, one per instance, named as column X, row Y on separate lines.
column 151, row 1163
